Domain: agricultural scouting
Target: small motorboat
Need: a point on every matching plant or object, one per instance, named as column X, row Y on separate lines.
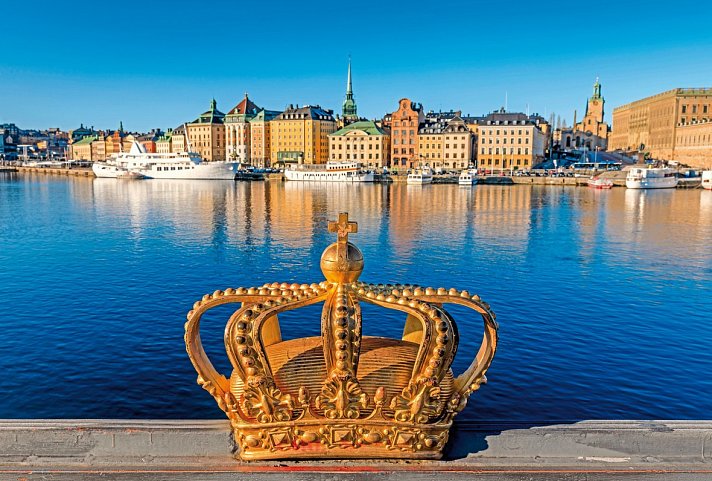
column 598, row 183
column 467, row 177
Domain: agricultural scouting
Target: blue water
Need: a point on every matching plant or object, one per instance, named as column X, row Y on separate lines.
column 603, row 298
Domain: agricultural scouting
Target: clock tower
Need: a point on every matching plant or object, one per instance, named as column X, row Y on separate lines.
column 593, row 120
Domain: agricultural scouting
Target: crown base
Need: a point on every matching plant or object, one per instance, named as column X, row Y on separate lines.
column 348, row 440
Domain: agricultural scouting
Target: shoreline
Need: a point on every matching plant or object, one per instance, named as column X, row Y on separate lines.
column 616, row 177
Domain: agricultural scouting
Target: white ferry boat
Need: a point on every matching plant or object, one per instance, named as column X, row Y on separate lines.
column 329, row 172
column 653, row 178
column 183, row 165
column 420, row 176
column 707, row 179
column 467, row 177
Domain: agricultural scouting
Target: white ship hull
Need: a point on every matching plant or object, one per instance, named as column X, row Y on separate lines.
column 420, row 177
column 328, row 176
column 181, row 165
column 204, row 171
column 103, row 170
column 652, row 183
column 651, row 178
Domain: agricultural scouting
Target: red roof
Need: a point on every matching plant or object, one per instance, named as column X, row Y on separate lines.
column 244, row 107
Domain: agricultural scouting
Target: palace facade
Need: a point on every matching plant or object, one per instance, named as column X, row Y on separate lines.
column 664, row 125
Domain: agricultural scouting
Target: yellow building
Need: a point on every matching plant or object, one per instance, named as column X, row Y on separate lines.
column 260, row 137
column 445, row 145
column 301, row 135
column 81, row 149
column 511, row 141
column 179, row 141
column 650, row 125
column 206, row 134
column 361, row 142
column 693, row 144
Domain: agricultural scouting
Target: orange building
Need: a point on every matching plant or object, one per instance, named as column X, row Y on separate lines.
column 405, row 123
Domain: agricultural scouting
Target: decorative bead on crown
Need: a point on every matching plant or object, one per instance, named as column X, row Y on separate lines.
column 340, row 395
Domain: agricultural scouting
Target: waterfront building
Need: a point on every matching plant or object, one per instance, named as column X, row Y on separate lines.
column 98, row 147
column 651, row 125
column 446, row 144
column 206, row 134
column 163, row 143
column 693, row 144
column 348, row 109
column 511, row 141
column 237, row 130
column 82, row 148
column 300, row 135
column 260, row 137
column 179, row 140
column 363, row 142
column 9, row 134
column 592, row 132
column 405, row 123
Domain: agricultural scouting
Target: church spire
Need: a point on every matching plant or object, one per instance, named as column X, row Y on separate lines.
column 597, row 89
column 349, row 88
column 348, row 111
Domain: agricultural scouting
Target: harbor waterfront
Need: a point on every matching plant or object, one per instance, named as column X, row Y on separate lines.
column 603, row 312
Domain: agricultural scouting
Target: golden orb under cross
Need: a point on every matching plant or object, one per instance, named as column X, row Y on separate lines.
column 342, row 261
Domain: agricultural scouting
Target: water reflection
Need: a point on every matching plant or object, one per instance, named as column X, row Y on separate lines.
column 592, row 288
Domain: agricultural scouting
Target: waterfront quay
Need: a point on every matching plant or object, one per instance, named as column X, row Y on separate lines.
column 121, row 450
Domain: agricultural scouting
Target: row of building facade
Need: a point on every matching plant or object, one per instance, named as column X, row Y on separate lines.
column 404, row 139
column 674, row 125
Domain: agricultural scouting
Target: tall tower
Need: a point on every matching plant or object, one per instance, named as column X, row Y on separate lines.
column 594, row 109
column 348, row 110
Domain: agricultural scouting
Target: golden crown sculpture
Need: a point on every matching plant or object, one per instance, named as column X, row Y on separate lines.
column 340, row 395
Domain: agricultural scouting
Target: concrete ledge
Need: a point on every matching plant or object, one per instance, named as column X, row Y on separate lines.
column 78, row 450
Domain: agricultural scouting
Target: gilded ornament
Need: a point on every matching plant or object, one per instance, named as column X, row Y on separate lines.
column 374, row 397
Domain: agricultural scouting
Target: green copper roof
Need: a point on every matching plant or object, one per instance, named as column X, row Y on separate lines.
column 367, row 126
column 86, row 140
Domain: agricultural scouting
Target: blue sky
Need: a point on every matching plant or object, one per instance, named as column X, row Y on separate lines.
column 158, row 64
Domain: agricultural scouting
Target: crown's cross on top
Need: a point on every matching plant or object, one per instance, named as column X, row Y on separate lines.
column 343, row 228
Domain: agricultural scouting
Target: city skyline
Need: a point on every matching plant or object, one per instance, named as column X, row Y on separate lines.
column 164, row 73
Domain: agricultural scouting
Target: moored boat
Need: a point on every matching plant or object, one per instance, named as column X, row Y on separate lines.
column 329, row 172
column 467, row 177
column 420, row 176
column 651, row 178
column 599, row 183
column 707, row 179
column 182, row 165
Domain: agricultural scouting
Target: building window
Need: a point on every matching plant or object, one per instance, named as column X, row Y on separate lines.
column 684, row 109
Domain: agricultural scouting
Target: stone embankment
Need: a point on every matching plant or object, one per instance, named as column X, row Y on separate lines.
column 113, row 450
column 79, row 172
